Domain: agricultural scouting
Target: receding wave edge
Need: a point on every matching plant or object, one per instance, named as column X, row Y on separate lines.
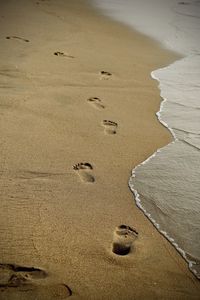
column 136, row 193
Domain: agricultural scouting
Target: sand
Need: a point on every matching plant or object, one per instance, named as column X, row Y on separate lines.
column 77, row 110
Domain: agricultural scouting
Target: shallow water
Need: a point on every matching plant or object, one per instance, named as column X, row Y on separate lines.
column 167, row 184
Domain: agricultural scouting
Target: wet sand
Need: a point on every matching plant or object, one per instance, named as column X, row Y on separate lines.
column 77, row 110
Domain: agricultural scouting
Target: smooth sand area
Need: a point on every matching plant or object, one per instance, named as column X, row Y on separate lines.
column 77, row 113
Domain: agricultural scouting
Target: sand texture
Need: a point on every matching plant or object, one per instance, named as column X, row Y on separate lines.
column 77, row 113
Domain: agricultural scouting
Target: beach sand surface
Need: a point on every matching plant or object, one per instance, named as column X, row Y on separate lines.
column 77, row 113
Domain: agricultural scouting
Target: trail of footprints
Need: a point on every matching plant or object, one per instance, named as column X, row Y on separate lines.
column 17, row 280
column 30, row 278
column 124, row 235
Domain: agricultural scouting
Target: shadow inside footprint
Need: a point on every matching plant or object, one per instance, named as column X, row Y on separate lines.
column 110, row 127
column 84, row 172
column 96, row 102
column 17, row 37
column 62, row 54
column 123, row 239
column 105, row 75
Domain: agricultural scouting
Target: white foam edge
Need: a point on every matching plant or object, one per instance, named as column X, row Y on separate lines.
column 137, row 195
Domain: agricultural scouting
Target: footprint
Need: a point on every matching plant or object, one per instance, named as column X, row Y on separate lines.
column 33, row 292
column 51, row 292
column 96, row 102
column 13, row 275
column 18, row 282
column 58, row 53
column 110, row 127
column 105, row 75
column 17, row 37
column 123, row 239
column 84, row 172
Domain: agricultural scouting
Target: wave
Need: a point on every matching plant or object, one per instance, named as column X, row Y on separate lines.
column 192, row 258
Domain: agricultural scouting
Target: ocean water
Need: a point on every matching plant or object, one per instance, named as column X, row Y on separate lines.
column 167, row 184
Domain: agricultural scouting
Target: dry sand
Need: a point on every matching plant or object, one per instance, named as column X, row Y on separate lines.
column 57, row 223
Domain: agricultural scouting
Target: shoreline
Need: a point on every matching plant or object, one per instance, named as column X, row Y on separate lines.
column 176, row 17
column 51, row 219
column 171, row 80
